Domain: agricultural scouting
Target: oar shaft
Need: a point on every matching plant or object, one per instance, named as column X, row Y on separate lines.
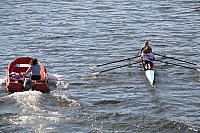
column 175, row 59
column 112, row 62
column 178, row 65
column 117, row 61
column 117, row 67
column 112, row 68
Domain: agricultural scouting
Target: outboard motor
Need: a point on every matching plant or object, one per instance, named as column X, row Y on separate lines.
column 27, row 84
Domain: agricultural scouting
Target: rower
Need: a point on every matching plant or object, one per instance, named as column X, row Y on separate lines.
column 146, row 44
column 147, row 57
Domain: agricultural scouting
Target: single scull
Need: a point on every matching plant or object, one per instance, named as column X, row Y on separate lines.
column 150, row 74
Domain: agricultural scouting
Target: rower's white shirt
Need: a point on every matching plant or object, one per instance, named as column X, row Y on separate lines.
column 148, row 56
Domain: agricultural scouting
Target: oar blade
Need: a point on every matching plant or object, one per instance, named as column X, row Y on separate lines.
column 93, row 74
column 93, row 71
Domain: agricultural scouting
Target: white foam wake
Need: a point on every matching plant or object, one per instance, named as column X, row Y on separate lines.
column 64, row 98
column 2, row 81
column 58, row 81
column 33, row 113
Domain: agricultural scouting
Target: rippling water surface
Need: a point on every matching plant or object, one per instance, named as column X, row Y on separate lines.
column 71, row 37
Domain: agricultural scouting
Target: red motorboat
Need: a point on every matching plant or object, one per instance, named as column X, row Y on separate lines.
column 14, row 80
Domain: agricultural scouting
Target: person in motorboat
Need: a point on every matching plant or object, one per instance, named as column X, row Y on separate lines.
column 146, row 44
column 32, row 73
column 147, row 57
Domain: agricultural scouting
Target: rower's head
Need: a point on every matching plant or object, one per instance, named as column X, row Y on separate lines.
column 146, row 43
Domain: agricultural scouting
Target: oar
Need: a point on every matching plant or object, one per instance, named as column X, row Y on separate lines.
column 116, row 68
column 118, row 61
column 175, row 59
column 179, row 65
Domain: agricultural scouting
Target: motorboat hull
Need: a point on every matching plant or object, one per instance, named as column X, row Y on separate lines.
column 20, row 65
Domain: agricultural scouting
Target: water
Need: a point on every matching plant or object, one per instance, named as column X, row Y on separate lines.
column 71, row 37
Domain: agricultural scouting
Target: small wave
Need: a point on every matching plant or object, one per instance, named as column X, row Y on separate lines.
column 134, row 123
column 153, row 124
column 103, row 8
column 52, row 37
column 64, row 98
column 196, row 10
column 107, row 102
column 176, row 126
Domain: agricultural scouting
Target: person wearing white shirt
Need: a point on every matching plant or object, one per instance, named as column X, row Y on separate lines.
column 147, row 57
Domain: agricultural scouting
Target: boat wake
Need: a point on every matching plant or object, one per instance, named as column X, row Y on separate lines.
column 63, row 98
column 28, row 100
column 35, row 110
column 2, row 81
column 32, row 112
column 57, row 81
column 58, row 86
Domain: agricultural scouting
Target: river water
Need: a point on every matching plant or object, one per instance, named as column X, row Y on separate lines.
column 72, row 37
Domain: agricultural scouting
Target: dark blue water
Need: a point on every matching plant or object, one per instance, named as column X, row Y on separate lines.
column 71, row 37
